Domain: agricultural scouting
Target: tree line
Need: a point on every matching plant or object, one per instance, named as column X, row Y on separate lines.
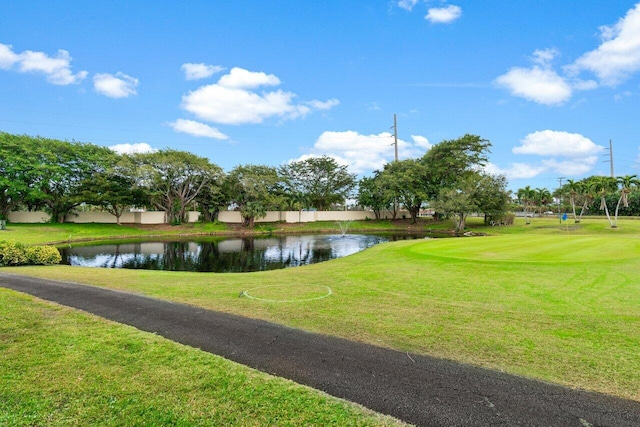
column 601, row 195
column 58, row 176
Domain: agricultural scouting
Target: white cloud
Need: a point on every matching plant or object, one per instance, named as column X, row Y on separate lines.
column 7, row 56
column 56, row 69
column 571, row 167
column 323, row 105
column 239, row 78
column 421, row 141
column 200, row 71
column 618, row 56
column 365, row 153
column 141, row 147
column 557, row 143
column 537, row 84
column 407, row 4
column 118, row 86
column 444, row 15
column 516, row 170
column 231, row 101
column 194, row 128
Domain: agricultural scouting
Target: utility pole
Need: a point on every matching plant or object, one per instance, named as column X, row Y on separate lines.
column 610, row 161
column 611, row 157
column 395, row 136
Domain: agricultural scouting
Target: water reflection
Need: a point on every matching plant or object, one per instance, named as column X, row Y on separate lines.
column 228, row 255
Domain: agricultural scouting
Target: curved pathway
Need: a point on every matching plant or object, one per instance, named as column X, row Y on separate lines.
column 417, row 389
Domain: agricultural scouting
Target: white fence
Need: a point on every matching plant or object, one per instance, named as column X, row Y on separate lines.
column 230, row 217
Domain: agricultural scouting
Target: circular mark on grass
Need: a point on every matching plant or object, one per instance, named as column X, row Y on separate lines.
column 288, row 293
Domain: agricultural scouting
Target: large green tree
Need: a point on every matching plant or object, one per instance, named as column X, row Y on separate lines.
column 321, row 180
column 452, row 160
column 253, row 189
column 373, row 195
column 405, row 182
column 173, row 179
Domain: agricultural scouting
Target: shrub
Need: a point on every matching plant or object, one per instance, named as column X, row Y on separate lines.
column 13, row 254
column 42, row 255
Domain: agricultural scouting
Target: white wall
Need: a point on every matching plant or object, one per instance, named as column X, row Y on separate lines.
column 230, row 217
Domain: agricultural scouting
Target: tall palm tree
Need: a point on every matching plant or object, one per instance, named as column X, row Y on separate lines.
column 526, row 195
column 542, row 196
column 574, row 190
column 605, row 185
column 626, row 183
column 587, row 190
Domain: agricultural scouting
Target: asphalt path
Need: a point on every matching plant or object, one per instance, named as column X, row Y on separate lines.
column 417, row 389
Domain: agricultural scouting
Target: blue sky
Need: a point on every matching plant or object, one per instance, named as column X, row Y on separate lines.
column 549, row 83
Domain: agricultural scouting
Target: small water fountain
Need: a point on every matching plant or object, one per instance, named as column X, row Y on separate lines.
column 344, row 226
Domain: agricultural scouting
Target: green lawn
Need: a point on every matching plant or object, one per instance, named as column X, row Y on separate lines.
column 555, row 302
column 62, row 367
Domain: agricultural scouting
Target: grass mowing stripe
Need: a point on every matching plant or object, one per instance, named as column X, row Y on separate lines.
column 62, row 367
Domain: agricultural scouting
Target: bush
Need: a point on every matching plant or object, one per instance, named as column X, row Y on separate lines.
column 42, row 255
column 13, row 254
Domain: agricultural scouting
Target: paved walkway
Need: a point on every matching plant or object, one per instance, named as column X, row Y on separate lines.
column 417, row 389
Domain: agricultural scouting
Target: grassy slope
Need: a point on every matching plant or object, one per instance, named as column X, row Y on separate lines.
column 546, row 301
column 63, row 367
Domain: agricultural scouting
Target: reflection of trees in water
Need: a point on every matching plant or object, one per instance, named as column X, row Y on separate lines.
column 237, row 255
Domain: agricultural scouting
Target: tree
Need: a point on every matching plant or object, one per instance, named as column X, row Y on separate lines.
column 491, row 197
column 321, row 179
column 372, row 194
column 542, row 197
column 112, row 191
column 626, row 182
column 405, row 181
column 252, row 189
column 63, row 168
column 526, row 195
column 603, row 186
column 212, row 197
column 18, row 164
column 173, row 179
column 574, row 188
column 452, row 160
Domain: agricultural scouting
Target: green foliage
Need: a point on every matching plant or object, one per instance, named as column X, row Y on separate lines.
column 253, row 188
column 14, row 254
column 321, row 180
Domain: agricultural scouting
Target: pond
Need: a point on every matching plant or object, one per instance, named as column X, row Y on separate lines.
column 237, row 254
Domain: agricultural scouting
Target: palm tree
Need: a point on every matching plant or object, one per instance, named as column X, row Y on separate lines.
column 626, row 183
column 603, row 186
column 526, row 195
column 542, row 196
column 574, row 190
column 587, row 189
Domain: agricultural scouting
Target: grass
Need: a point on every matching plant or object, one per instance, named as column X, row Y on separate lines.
column 556, row 302
column 64, row 367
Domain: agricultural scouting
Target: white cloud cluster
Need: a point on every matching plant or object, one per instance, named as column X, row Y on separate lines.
column 564, row 153
column 407, row 4
column 615, row 60
column 236, row 99
column 443, row 15
column 365, row 153
column 618, row 56
column 119, row 85
column 435, row 15
column 200, row 71
column 56, row 69
column 141, row 147
column 194, row 128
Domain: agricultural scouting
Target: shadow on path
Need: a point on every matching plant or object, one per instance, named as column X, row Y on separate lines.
column 417, row 389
